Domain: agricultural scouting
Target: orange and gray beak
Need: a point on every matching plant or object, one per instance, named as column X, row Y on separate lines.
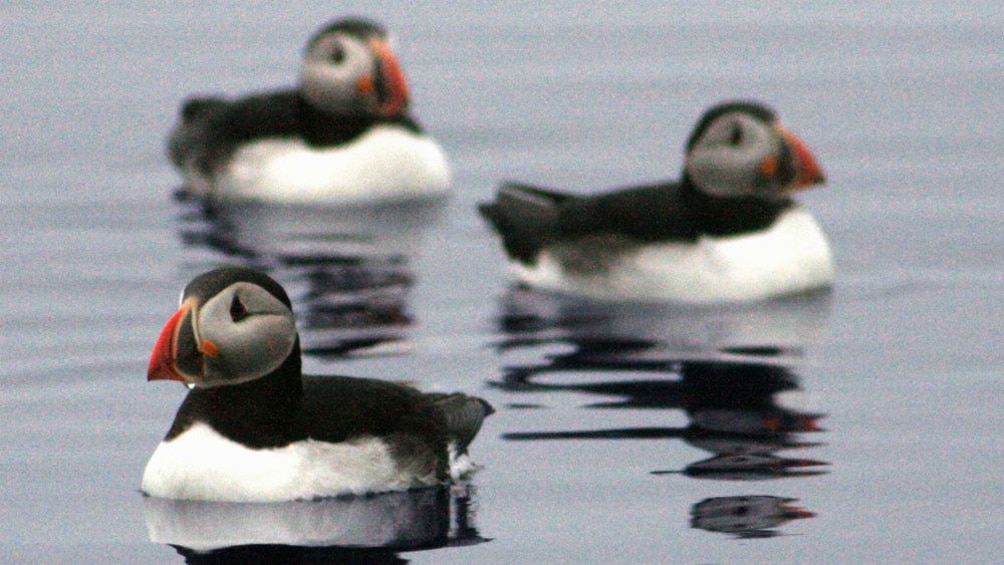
column 162, row 364
column 389, row 86
column 178, row 353
column 807, row 170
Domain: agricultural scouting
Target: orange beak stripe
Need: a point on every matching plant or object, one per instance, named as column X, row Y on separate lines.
column 365, row 85
column 209, row 348
column 768, row 167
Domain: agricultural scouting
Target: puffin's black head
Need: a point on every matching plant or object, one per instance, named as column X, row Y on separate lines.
column 740, row 149
column 212, row 282
column 350, row 68
column 359, row 27
column 234, row 325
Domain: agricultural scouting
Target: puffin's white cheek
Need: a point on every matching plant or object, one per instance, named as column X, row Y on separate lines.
column 254, row 347
column 335, row 87
column 721, row 173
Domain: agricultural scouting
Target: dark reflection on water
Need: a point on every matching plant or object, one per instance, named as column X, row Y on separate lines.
column 347, row 269
column 365, row 529
column 730, row 370
column 746, row 516
column 731, row 406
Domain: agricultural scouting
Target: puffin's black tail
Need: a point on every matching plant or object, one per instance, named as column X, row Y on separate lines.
column 527, row 218
column 187, row 139
column 197, row 108
column 463, row 416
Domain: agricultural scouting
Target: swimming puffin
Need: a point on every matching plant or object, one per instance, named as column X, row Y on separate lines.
column 254, row 429
column 344, row 135
column 727, row 231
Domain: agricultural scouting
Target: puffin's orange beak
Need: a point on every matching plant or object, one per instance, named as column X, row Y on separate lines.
column 393, row 97
column 180, row 340
column 162, row 361
column 807, row 171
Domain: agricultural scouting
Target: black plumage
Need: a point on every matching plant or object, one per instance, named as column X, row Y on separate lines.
column 530, row 218
column 213, row 128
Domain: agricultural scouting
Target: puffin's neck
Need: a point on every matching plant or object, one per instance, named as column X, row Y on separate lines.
column 260, row 413
column 717, row 215
column 321, row 128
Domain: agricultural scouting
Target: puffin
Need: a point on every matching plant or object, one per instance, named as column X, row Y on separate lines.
column 729, row 231
column 253, row 428
column 344, row 135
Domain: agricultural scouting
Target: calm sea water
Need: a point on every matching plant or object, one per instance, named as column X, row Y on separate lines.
column 859, row 426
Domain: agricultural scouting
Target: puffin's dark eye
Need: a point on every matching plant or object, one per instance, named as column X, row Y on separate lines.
column 736, row 135
column 237, row 309
column 338, row 55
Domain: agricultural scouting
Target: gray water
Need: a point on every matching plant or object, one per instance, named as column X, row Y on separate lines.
column 624, row 434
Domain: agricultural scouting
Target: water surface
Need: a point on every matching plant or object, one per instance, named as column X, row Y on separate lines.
column 856, row 426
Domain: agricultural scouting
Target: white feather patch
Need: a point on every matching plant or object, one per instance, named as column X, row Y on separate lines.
column 200, row 464
column 386, row 163
column 461, row 466
column 792, row 256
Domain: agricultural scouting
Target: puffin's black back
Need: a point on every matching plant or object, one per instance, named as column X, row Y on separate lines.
column 668, row 212
column 215, row 128
column 663, row 212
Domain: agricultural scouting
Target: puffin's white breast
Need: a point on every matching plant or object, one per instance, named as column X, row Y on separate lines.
column 200, row 464
column 791, row 256
column 388, row 162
